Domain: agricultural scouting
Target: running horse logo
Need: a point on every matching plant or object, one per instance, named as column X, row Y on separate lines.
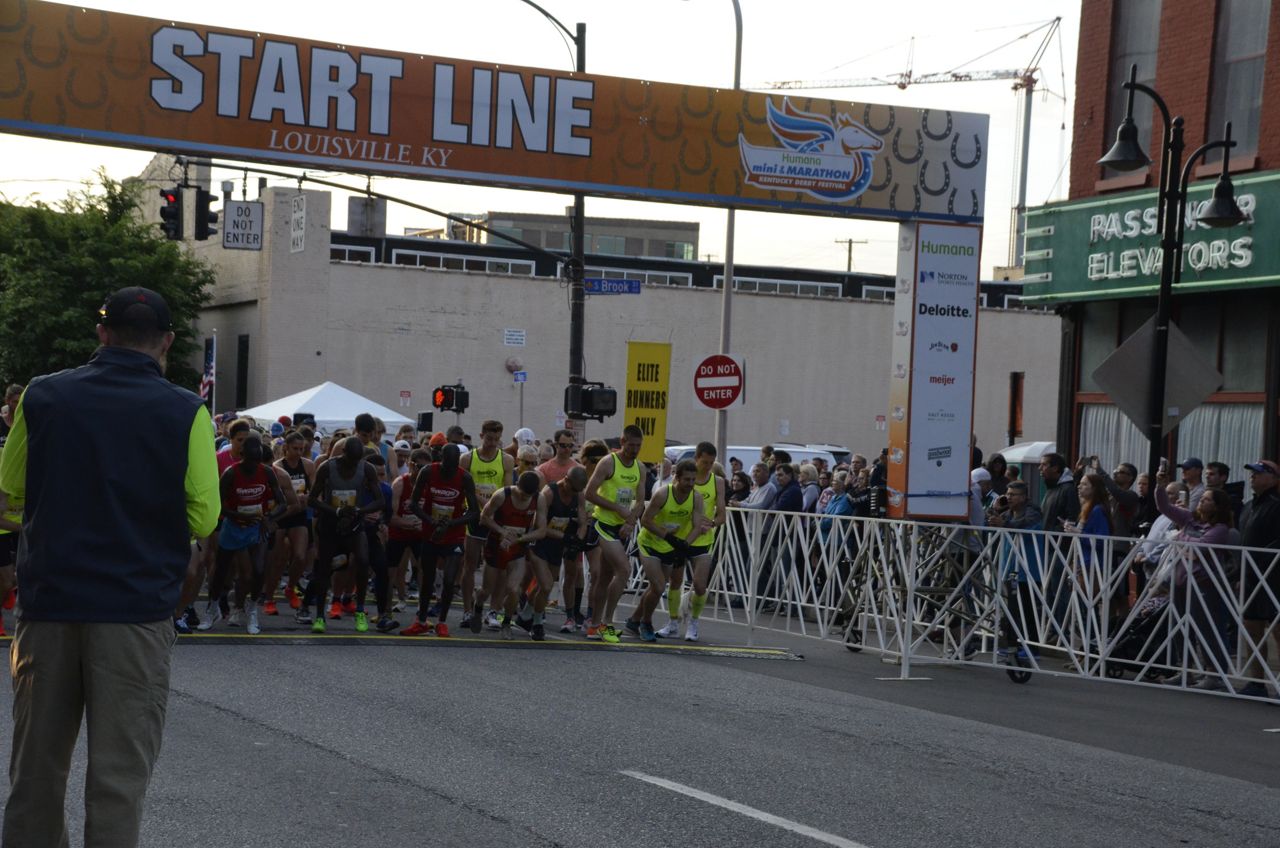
column 831, row 160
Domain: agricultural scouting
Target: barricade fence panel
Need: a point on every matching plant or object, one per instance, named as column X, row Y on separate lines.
column 1176, row 613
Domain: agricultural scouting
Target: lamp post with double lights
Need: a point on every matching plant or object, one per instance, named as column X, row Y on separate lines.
column 1221, row 211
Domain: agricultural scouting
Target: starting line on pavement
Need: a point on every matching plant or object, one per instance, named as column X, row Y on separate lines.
column 550, row 644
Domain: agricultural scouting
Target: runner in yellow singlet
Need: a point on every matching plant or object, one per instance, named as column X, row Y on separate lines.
column 671, row 521
column 490, row 468
column 617, row 492
column 10, row 530
column 710, row 484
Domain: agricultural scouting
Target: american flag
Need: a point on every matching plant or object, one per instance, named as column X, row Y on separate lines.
column 208, row 379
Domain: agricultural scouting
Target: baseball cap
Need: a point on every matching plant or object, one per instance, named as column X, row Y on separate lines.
column 438, row 440
column 277, row 429
column 979, row 475
column 402, row 447
column 136, row 307
column 285, row 421
column 1264, row 466
column 1191, row 462
column 524, row 436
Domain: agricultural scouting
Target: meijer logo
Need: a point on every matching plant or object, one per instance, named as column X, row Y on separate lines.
column 946, row 249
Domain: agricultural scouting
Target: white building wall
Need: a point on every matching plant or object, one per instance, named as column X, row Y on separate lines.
column 818, row 369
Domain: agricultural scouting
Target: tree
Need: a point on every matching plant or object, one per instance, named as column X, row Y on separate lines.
column 58, row 264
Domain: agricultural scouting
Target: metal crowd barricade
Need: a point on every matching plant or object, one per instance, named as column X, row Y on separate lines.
column 1059, row 603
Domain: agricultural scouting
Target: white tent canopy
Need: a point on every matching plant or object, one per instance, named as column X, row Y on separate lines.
column 333, row 406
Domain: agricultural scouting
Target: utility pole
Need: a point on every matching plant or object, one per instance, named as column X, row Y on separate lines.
column 850, row 243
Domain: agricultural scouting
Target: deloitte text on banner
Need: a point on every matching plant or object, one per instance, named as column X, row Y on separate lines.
column 648, row 391
column 127, row 81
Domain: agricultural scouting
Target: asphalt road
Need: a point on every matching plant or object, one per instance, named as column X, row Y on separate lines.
column 478, row 743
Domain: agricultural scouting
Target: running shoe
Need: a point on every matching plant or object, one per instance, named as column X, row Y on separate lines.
column 398, row 606
column 179, row 624
column 646, row 632
column 442, row 630
column 269, row 608
column 252, row 627
column 193, row 620
column 505, row 630
column 418, row 628
column 567, row 627
column 633, row 627
column 212, row 615
column 671, row 631
column 476, row 622
column 335, row 610
column 691, row 632
column 236, row 619
column 525, row 624
column 578, row 626
column 538, row 633
column 302, row 617
column 362, row 622
column 386, row 624
column 317, row 626
column 593, row 632
column 349, row 606
column 608, row 634
column 292, row 597
column 491, row 621
column 413, row 595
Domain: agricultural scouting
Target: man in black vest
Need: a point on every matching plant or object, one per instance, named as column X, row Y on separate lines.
column 96, row 631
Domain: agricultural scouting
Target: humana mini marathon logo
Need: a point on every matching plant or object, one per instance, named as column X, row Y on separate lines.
column 939, row 249
column 830, row 160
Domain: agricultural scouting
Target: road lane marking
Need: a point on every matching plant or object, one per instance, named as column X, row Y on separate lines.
column 750, row 812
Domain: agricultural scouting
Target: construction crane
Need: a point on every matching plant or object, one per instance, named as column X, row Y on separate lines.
column 1024, row 80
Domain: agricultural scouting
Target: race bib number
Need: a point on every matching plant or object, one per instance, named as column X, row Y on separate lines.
column 669, row 527
column 343, row 497
column 299, row 484
column 484, row 491
column 250, row 509
column 626, row 497
column 559, row 524
column 441, row 511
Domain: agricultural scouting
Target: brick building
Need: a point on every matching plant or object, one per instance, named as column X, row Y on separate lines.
column 1095, row 258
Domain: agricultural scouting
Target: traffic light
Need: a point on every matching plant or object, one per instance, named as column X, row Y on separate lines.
column 451, row 398
column 590, row 400
column 205, row 217
column 171, row 213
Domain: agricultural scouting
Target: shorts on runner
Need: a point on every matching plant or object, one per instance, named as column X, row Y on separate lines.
column 667, row 558
column 235, row 537
column 431, row 549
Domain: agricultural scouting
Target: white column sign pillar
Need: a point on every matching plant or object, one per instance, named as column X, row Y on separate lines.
column 935, row 338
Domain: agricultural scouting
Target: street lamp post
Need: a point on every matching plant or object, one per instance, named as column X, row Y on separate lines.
column 575, row 266
column 1127, row 155
column 726, row 293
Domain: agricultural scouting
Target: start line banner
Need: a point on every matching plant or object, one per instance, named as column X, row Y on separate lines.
column 127, row 81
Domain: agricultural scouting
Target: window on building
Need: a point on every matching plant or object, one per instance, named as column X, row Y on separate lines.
column 612, row 245
column 1135, row 37
column 678, row 250
column 1239, row 53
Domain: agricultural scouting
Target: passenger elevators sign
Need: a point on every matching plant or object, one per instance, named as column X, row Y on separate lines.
column 128, row 81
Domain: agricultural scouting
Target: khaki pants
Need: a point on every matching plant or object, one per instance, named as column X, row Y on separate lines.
column 117, row 676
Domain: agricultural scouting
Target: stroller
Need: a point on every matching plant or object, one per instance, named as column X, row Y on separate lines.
column 1130, row 650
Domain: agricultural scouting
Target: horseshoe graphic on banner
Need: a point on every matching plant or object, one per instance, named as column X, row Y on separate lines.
column 924, row 125
column 897, row 152
column 103, row 26
column 977, row 157
column 28, row 47
column 924, row 180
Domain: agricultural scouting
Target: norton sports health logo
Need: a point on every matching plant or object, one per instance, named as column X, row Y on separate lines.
column 828, row 160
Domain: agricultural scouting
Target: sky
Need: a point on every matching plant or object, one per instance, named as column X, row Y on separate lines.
column 680, row 41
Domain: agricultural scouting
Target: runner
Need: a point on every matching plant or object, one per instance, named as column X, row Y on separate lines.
column 615, row 490
column 561, row 530
column 10, row 532
column 509, row 516
column 404, row 531
column 490, row 468
column 293, row 534
column 340, row 485
column 710, row 485
column 590, row 455
column 444, row 500
column 670, row 522
column 375, row 531
column 555, row 469
column 247, row 489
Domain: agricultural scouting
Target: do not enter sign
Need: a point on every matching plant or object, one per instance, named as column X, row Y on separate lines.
column 718, row 380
